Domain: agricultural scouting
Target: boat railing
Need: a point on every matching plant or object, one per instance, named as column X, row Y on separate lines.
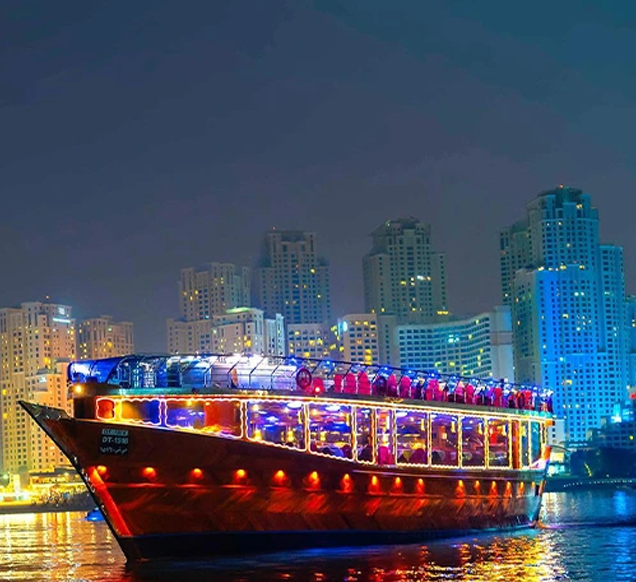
column 315, row 376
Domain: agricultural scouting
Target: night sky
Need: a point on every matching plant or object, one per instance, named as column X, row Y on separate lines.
column 137, row 138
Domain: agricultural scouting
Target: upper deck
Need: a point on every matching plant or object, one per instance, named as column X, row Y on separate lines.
column 152, row 374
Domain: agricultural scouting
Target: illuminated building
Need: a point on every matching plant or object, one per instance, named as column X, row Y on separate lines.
column 403, row 275
column 358, row 338
column 212, row 290
column 311, row 340
column 292, row 279
column 631, row 337
column 238, row 330
column 479, row 346
column 568, row 308
column 101, row 337
column 37, row 340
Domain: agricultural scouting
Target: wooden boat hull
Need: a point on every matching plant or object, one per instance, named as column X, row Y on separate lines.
column 177, row 494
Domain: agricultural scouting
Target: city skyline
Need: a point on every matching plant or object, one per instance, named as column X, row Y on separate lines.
column 138, row 161
column 158, row 342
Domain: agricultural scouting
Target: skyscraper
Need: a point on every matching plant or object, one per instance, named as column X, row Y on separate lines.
column 567, row 295
column 238, row 330
column 403, row 275
column 37, row 340
column 292, row 279
column 358, row 338
column 476, row 347
column 101, row 337
column 212, row 289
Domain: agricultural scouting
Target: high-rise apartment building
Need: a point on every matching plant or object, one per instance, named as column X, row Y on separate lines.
column 568, row 308
column 212, row 290
column 357, row 336
column 311, row 340
column 238, row 330
column 101, row 337
column 36, row 342
column 474, row 347
column 403, row 275
column 292, row 279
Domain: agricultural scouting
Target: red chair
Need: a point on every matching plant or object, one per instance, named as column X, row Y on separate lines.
column 350, row 384
column 405, row 387
column 364, row 384
column 337, row 383
column 432, row 389
column 469, row 396
column 498, row 397
column 392, row 384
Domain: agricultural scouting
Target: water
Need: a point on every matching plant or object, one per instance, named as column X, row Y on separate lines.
column 587, row 536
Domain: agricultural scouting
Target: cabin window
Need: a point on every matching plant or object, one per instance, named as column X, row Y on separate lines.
column 525, row 444
column 444, row 440
column 222, row 417
column 146, row 411
column 330, row 430
column 535, row 442
column 385, row 437
column 281, row 423
column 499, row 437
column 412, row 437
column 364, row 432
column 473, row 442
column 105, row 409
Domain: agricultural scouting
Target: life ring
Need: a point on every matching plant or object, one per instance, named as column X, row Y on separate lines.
column 303, row 378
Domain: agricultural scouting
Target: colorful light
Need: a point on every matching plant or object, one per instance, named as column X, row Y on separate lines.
column 197, row 473
column 149, row 473
column 102, row 470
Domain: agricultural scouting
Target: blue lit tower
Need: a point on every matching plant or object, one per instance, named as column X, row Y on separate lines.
column 567, row 295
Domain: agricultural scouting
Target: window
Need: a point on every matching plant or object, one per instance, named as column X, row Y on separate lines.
column 535, row 442
column 364, row 446
column 444, row 440
column 499, row 435
column 412, row 437
column 276, row 422
column 330, row 430
column 145, row 411
column 212, row 416
column 384, row 435
column 473, row 442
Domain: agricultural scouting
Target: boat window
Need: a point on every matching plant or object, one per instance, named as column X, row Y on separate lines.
column 412, row 437
column 277, row 422
column 525, row 444
column 499, row 435
column 444, row 439
column 364, row 432
column 385, row 437
column 141, row 411
column 473, row 442
column 330, row 430
column 221, row 417
column 535, row 442
column 105, row 409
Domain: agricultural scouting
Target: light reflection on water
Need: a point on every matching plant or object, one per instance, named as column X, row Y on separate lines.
column 587, row 536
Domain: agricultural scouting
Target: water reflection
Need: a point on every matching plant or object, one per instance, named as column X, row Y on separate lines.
column 586, row 536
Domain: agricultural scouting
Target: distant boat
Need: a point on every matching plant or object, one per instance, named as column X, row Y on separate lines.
column 192, row 456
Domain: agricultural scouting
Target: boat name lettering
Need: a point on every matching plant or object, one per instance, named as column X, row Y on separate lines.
column 114, row 442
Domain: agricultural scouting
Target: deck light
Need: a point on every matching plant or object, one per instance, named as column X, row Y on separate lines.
column 197, row 473
column 101, row 470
